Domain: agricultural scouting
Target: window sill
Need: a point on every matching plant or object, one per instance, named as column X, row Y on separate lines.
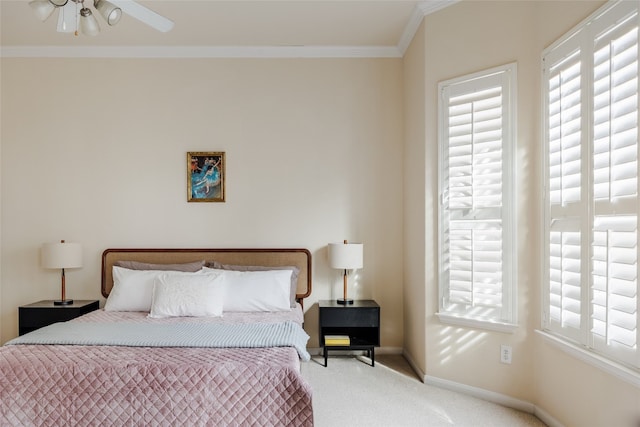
column 507, row 328
column 619, row 371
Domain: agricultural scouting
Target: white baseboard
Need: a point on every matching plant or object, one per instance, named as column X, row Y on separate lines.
column 413, row 365
column 546, row 418
column 480, row 393
column 491, row 396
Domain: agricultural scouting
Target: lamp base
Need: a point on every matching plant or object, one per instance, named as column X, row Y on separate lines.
column 343, row 301
column 63, row 302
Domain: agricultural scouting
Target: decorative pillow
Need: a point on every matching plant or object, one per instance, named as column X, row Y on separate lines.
column 295, row 271
column 256, row 290
column 179, row 295
column 132, row 290
column 136, row 265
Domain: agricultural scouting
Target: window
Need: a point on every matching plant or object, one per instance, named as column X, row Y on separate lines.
column 591, row 185
column 477, row 237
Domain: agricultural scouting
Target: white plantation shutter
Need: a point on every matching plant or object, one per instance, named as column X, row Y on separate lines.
column 565, row 109
column 475, row 169
column 591, row 286
column 614, row 286
column 565, row 278
column 565, row 188
column 615, row 116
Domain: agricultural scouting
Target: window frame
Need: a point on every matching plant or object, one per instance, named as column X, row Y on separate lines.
column 506, row 320
column 584, row 38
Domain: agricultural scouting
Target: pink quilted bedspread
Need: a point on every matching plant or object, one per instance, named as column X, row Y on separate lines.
column 53, row 385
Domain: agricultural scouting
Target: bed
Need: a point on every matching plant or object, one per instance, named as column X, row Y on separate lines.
column 124, row 367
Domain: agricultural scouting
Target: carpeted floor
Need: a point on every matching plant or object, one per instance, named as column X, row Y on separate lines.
column 351, row 393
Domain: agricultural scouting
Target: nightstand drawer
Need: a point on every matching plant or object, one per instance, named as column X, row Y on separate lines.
column 44, row 317
column 362, row 317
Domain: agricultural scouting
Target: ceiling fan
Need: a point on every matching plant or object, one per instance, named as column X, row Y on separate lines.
column 75, row 17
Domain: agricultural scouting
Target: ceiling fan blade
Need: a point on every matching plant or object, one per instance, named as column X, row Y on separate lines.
column 144, row 15
column 67, row 16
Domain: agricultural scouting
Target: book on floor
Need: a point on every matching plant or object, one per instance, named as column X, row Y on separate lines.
column 337, row 340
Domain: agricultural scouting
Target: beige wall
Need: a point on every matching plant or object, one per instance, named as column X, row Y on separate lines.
column 462, row 39
column 453, row 352
column 94, row 151
column 415, row 210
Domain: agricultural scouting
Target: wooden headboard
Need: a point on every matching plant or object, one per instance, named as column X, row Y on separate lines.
column 300, row 258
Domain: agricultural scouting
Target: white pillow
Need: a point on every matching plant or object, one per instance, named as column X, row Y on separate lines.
column 132, row 290
column 179, row 295
column 256, row 290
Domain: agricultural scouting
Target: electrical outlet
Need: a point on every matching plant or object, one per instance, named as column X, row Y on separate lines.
column 505, row 354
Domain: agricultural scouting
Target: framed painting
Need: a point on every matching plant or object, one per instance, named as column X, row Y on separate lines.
column 206, row 176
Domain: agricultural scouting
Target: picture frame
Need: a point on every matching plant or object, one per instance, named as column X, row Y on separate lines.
column 206, row 176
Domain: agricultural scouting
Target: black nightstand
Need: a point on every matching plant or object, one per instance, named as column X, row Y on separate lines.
column 360, row 321
column 43, row 313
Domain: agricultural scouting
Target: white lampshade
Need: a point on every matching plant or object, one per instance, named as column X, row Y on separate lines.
column 61, row 255
column 346, row 256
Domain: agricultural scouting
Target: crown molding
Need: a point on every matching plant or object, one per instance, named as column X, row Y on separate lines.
column 421, row 10
column 200, row 52
column 429, row 7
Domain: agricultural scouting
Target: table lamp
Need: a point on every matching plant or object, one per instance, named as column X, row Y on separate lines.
column 62, row 255
column 345, row 256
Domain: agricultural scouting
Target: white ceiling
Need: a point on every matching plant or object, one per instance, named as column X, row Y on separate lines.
column 238, row 24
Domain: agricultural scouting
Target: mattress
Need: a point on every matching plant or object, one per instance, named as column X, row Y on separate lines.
column 155, row 386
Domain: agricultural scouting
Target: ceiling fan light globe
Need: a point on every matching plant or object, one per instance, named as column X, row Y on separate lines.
column 42, row 8
column 114, row 16
column 110, row 12
column 88, row 23
column 58, row 3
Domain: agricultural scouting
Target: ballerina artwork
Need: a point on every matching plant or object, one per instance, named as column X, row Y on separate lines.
column 206, row 177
